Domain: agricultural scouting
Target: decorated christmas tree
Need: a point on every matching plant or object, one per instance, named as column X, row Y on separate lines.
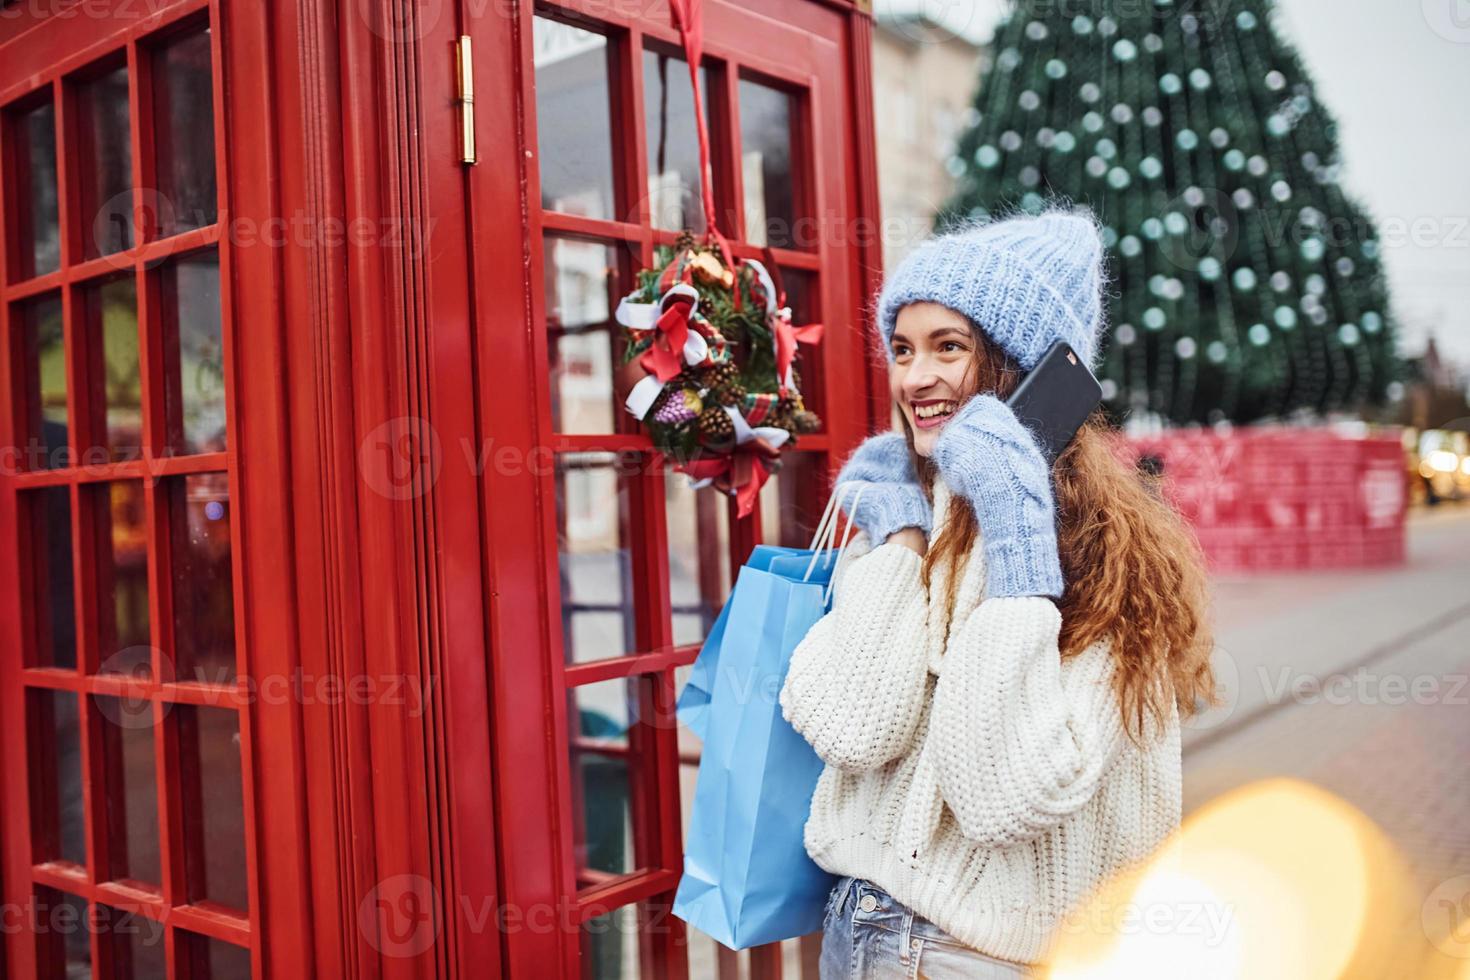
column 1246, row 284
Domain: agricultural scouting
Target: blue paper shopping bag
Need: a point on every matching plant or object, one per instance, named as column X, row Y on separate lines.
column 693, row 706
column 747, row 877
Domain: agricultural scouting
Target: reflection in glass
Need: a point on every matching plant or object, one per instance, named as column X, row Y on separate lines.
column 212, row 787
column 57, row 821
column 573, row 133
column 104, row 163
column 765, row 159
column 42, row 383
column 699, row 556
column 792, row 500
column 585, row 348
column 688, row 772
column 114, row 380
column 52, row 621
column 121, row 519
column 67, row 949
column 610, row 946
column 602, row 716
column 35, row 201
column 137, row 944
column 596, row 574
column 804, row 298
column 194, row 354
column 203, row 581
column 183, row 131
column 131, row 799
column 674, row 195
column 212, row 959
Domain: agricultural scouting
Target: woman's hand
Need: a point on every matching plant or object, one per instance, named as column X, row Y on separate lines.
column 890, row 496
column 989, row 457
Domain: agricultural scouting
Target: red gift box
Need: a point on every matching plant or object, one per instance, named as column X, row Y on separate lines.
column 1276, row 498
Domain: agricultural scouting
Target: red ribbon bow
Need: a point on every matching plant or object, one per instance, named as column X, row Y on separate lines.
column 665, row 356
column 744, row 471
column 786, row 340
column 787, row 336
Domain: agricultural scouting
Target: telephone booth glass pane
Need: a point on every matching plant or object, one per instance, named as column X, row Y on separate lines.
column 573, row 132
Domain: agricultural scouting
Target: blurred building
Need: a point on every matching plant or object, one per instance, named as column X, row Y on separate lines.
column 924, row 79
column 1438, row 393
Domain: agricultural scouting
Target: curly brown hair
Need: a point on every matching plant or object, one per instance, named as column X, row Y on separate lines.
column 1133, row 568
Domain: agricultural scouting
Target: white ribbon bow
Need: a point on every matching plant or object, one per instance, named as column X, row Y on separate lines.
column 645, row 316
column 772, row 313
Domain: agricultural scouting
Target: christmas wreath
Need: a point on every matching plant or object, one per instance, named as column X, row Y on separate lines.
column 722, row 396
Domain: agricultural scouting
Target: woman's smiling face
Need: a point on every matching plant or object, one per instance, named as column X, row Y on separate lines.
column 934, row 368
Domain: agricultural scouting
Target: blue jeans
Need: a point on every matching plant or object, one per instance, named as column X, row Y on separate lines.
column 869, row 935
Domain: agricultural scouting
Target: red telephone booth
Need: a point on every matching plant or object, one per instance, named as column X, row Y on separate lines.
column 347, row 608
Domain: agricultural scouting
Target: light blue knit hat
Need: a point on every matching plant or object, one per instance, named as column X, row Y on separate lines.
column 1027, row 281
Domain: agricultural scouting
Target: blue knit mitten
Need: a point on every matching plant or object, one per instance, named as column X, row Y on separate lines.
column 891, row 498
column 989, row 457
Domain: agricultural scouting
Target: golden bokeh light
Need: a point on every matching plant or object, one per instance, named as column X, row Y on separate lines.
column 1279, row 878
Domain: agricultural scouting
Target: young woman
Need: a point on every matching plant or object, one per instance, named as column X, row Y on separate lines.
column 997, row 690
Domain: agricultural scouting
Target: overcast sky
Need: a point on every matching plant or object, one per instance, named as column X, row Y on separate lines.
column 1396, row 73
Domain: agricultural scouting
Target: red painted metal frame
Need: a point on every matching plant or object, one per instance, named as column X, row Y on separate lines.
column 807, row 47
column 332, row 577
column 51, row 53
column 389, row 572
column 338, row 113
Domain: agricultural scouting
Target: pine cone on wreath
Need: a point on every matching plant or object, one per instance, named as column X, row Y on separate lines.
column 806, row 421
column 715, row 427
column 731, row 393
column 723, row 373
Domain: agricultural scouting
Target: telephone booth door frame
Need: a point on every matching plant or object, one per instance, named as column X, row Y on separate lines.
column 820, row 54
column 385, row 335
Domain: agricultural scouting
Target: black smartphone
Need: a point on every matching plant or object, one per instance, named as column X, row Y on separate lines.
column 1055, row 398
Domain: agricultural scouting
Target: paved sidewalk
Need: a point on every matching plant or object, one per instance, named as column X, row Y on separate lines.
column 1380, row 666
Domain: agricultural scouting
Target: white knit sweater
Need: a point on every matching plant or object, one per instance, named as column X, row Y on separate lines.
column 976, row 777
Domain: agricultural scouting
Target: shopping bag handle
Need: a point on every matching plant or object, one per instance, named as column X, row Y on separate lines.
column 828, row 521
column 828, row 515
column 826, row 534
column 846, row 539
